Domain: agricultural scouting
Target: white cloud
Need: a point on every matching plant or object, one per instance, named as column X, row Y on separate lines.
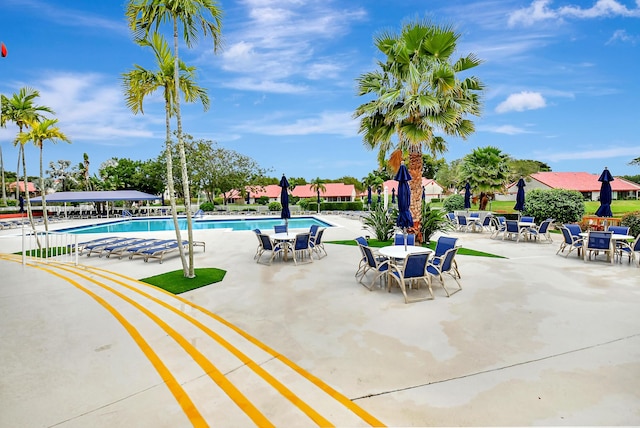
column 623, row 36
column 613, row 152
column 541, row 10
column 522, row 101
column 335, row 123
column 505, row 129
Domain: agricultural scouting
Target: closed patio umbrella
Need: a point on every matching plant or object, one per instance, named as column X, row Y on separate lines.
column 404, row 219
column 393, row 195
column 248, row 198
column 423, row 195
column 467, row 196
column 604, row 210
column 519, row 206
column 318, row 192
column 284, row 200
column 369, row 196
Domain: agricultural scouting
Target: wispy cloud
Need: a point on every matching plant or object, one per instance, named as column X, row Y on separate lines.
column 504, row 129
column 69, row 17
column 623, row 36
column 541, row 10
column 522, row 101
column 613, row 152
column 334, row 123
column 280, row 45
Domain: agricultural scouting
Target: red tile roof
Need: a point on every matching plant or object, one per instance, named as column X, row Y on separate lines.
column 580, row 181
column 333, row 190
column 30, row 185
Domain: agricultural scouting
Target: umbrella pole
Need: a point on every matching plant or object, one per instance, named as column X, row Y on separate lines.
column 405, row 238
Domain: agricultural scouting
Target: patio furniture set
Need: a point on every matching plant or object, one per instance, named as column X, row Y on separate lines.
column 282, row 243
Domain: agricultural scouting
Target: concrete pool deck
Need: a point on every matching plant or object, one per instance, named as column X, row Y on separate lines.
column 532, row 339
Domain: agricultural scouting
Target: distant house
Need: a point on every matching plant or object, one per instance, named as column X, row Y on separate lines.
column 583, row 182
column 334, row 192
column 432, row 190
column 32, row 187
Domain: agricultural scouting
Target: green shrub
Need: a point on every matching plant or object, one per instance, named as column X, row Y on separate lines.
column 433, row 220
column 453, row 203
column 632, row 220
column 263, row 200
column 218, row 201
column 275, row 206
column 207, row 206
column 381, row 223
column 565, row 206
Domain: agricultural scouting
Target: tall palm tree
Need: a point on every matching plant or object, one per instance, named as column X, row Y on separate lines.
column 21, row 110
column 140, row 82
column 145, row 15
column 38, row 133
column 317, row 185
column 417, row 94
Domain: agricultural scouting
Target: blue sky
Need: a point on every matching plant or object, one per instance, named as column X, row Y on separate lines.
column 561, row 76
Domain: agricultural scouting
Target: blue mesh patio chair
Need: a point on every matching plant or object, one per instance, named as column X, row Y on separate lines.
column 527, row 219
column 313, row 230
column 376, row 265
column 445, row 265
column 280, row 228
column 574, row 229
column 463, row 225
column 499, row 226
column 399, row 239
column 302, row 247
column 542, row 232
column 267, row 246
column 630, row 250
column 619, row 230
column 317, row 245
column 361, row 240
column 444, row 244
column 412, row 272
column 512, row 229
column 570, row 241
column 486, row 223
column 598, row 241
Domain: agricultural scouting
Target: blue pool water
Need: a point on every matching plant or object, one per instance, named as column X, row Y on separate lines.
column 155, row 224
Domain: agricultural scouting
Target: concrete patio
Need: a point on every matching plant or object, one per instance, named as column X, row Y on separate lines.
column 532, row 339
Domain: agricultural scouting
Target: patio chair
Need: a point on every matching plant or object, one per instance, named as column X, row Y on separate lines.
column 444, row 244
column 630, row 250
column 527, row 219
column 452, row 218
column 313, row 229
column 378, row 266
column 302, row 246
column 120, row 248
column 619, row 230
column 398, row 239
column 280, row 228
column 99, row 246
column 574, row 229
column 95, row 242
column 512, row 229
column 446, row 264
column 316, row 243
column 486, row 223
column 412, row 272
column 463, row 225
column 138, row 249
column 570, row 241
column 542, row 231
column 161, row 251
column 268, row 246
column 499, row 226
column 598, row 241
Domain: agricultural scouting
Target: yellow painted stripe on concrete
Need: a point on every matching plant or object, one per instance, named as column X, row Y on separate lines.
column 275, row 383
column 341, row 398
column 209, row 368
column 178, row 392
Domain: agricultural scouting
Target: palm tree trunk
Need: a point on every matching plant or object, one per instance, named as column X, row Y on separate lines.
column 415, row 170
column 43, row 193
column 171, row 188
column 181, row 152
column 28, row 199
column 4, row 190
column 18, row 170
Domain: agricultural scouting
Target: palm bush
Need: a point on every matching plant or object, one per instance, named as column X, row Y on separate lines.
column 632, row 220
column 381, row 222
column 453, row 203
column 565, row 206
column 433, row 220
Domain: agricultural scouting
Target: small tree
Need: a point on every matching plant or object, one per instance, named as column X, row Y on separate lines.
column 453, row 203
column 565, row 206
column 433, row 221
column 632, row 220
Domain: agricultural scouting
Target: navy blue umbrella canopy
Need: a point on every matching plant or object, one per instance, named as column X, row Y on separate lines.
column 404, row 219
column 423, row 194
column 393, row 195
column 605, row 194
column 248, row 197
column 369, row 195
column 519, row 206
column 467, row 196
column 284, row 200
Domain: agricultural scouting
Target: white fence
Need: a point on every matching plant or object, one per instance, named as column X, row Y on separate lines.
column 49, row 246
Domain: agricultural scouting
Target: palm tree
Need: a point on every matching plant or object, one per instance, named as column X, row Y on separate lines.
column 317, row 185
column 139, row 83
column 39, row 132
column 21, row 110
column 486, row 169
column 143, row 15
column 417, row 93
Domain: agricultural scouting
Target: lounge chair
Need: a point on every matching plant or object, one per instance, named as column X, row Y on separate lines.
column 98, row 246
column 93, row 242
column 122, row 248
column 412, row 271
column 138, row 249
column 162, row 250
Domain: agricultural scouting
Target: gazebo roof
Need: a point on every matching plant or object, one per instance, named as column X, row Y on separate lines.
column 98, row 196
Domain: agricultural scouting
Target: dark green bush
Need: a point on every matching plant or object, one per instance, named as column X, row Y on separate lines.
column 263, row 200
column 453, row 203
column 632, row 220
column 275, row 206
column 218, row 201
column 381, row 223
column 207, row 206
column 565, row 206
column 433, row 220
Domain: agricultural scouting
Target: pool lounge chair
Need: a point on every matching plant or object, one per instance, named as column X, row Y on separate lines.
column 97, row 244
column 119, row 249
column 162, row 250
column 138, row 250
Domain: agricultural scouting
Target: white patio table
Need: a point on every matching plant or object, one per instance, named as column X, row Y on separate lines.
column 287, row 238
column 615, row 237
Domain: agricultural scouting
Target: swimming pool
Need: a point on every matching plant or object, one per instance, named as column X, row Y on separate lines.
column 159, row 224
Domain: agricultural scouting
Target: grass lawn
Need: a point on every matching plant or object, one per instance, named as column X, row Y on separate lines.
column 374, row 243
column 175, row 282
column 619, row 208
